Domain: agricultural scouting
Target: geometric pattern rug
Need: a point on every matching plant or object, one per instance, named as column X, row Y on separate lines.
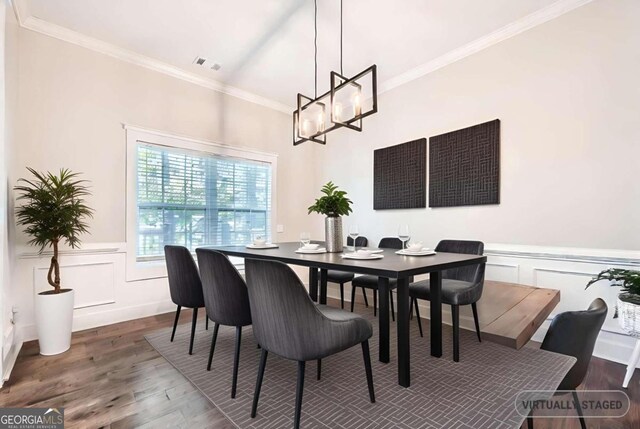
column 477, row 392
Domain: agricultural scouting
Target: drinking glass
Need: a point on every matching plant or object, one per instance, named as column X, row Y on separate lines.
column 403, row 234
column 305, row 238
column 354, row 232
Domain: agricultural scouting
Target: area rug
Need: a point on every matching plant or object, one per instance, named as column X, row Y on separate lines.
column 477, row 392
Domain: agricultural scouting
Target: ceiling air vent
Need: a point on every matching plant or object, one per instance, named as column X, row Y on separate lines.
column 206, row 63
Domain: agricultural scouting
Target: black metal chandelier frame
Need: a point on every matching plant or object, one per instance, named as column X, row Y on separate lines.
column 337, row 82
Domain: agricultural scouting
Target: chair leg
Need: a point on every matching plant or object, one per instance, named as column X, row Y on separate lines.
column 236, row 361
column 193, row 329
column 342, row 296
column 367, row 368
column 411, row 308
column 256, row 392
column 206, row 323
column 299, row 390
column 576, row 400
column 213, row 344
column 175, row 323
column 375, row 302
column 353, row 296
column 475, row 319
column 530, row 420
column 455, row 317
column 319, row 374
column 393, row 312
column 366, row 301
column 418, row 316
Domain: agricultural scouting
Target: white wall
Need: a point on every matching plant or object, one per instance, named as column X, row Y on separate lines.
column 8, row 113
column 73, row 102
column 568, row 98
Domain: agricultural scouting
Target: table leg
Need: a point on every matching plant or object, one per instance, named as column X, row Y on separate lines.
column 633, row 362
column 323, row 286
column 383, row 318
column 313, row 283
column 404, row 364
column 435, row 302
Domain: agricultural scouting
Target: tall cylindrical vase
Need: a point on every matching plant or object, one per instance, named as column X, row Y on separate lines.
column 333, row 234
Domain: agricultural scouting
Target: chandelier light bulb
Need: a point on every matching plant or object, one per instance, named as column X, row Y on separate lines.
column 337, row 111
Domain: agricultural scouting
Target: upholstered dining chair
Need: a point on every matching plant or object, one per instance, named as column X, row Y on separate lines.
column 184, row 285
column 371, row 282
column 341, row 277
column 460, row 286
column 287, row 322
column 574, row 333
column 226, row 300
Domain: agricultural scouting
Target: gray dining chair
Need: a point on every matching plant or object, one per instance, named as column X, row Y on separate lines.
column 185, row 287
column 574, row 333
column 460, row 286
column 371, row 282
column 342, row 277
column 226, row 300
column 287, row 323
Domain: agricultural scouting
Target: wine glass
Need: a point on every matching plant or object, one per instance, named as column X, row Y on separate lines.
column 354, row 233
column 305, row 238
column 403, row 234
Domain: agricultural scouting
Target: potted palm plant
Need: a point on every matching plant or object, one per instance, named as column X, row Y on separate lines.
column 53, row 211
column 628, row 302
column 333, row 204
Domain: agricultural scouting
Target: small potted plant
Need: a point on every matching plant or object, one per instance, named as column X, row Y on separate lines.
column 333, row 204
column 628, row 302
column 52, row 211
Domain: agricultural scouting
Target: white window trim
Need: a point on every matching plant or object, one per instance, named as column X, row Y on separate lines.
column 157, row 269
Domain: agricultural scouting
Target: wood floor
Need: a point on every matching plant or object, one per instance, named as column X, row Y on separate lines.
column 113, row 378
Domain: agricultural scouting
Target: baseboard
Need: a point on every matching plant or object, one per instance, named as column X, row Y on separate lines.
column 103, row 318
column 10, row 361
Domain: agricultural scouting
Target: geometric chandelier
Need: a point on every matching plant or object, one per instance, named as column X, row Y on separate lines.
column 347, row 102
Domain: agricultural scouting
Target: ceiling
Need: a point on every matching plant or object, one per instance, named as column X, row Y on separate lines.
column 266, row 48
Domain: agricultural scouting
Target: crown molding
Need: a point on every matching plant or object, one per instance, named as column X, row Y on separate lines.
column 47, row 28
column 523, row 24
column 20, row 8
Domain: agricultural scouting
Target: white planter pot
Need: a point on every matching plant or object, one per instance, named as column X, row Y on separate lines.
column 54, row 319
column 629, row 317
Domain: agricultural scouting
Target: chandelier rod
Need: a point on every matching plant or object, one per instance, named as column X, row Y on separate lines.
column 341, row 70
column 315, row 46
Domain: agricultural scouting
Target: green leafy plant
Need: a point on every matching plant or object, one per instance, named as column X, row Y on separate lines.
column 628, row 280
column 333, row 203
column 53, row 210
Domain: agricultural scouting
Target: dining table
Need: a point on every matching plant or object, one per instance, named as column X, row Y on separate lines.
column 402, row 268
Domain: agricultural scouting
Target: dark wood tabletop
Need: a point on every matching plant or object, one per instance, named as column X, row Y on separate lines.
column 391, row 266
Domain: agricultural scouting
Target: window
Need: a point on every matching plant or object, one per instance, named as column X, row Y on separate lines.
column 190, row 193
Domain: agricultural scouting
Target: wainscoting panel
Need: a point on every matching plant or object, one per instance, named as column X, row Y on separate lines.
column 94, row 284
column 98, row 274
column 509, row 273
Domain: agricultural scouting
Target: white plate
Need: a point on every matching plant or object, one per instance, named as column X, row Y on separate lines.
column 320, row 250
column 423, row 252
column 263, row 246
column 362, row 257
column 350, row 249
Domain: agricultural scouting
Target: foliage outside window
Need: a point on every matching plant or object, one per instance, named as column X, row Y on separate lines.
column 195, row 199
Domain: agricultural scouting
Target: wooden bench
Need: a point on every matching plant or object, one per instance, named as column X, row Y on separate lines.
column 511, row 313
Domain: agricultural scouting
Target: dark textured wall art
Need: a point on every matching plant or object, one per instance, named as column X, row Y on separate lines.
column 400, row 176
column 464, row 166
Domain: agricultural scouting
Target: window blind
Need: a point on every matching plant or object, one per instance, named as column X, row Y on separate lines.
column 195, row 199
